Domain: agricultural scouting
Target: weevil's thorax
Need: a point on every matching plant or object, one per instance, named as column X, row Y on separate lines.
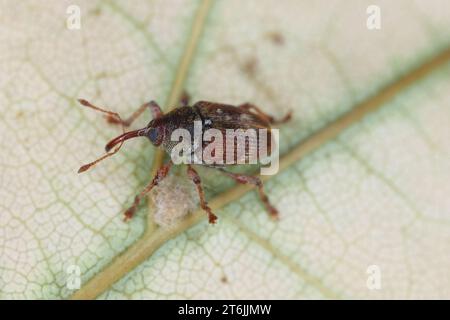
column 180, row 118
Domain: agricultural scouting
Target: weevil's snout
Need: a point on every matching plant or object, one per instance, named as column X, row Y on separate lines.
column 125, row 136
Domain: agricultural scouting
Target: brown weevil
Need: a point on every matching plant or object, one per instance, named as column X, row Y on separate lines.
column 159, row 131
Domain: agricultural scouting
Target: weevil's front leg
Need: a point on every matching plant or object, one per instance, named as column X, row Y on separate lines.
column 198, row 183
column 265, row 116
column 152, row 105
column 246, row 179
column 160, row 175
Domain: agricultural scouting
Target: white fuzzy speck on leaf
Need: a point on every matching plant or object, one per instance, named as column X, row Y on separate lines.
column 174, row 198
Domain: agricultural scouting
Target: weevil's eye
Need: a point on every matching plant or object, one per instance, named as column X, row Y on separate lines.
column 154, row 136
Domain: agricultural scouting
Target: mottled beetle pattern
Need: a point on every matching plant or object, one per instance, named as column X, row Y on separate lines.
column 158, row 131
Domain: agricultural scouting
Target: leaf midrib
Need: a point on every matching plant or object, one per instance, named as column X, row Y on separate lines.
column 153, row 238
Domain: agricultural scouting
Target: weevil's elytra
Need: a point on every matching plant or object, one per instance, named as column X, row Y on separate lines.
column 159, row 130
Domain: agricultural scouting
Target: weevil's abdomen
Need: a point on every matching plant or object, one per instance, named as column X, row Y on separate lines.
column 223, row 117
column 218, row 116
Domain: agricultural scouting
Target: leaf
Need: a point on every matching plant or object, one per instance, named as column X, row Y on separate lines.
column 365, row 159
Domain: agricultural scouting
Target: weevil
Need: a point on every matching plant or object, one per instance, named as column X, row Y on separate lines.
column 159, row 129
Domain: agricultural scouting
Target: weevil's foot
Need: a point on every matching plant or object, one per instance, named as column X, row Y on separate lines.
column 285, row 119
column 115, row 120
column 111, row 119
column 212, row 218
column 129, row 214
column 273, row 212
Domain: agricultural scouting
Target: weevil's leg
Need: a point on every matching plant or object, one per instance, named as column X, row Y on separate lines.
column 155, row 109
column 268, row 118
column 245, row 179
column 198, row 183
column 185, row 98
column 152, row 105
column 160, row 175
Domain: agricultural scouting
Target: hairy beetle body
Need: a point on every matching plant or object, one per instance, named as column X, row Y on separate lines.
column 220, row 117
column 212, row 116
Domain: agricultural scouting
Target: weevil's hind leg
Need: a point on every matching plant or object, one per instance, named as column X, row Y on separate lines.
column 152, row 105
column 265, row 116
column 160, row 175
column 198, row 183
column 246, row 179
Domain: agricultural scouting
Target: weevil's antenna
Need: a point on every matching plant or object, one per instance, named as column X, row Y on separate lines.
column 116, row 141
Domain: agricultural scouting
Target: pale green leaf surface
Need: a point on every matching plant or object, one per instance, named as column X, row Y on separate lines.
column 375, row 195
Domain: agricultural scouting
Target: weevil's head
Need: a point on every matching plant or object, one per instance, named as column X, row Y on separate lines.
column 154, row 131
